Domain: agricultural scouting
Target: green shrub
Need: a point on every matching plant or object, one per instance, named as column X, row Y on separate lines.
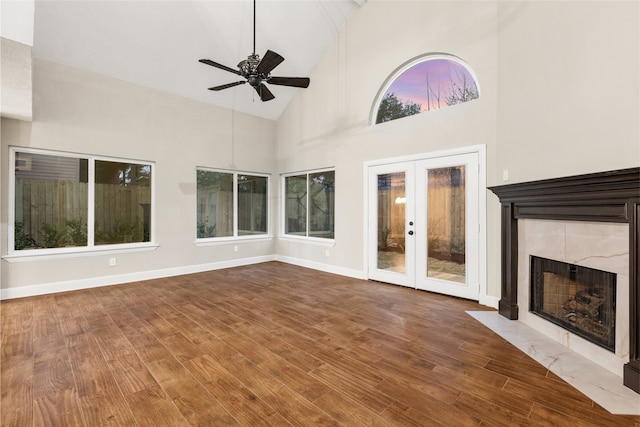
column 75, row 233
column 52, row 237
column 22, row 240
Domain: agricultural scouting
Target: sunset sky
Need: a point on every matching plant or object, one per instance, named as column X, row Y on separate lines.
column 412, row 84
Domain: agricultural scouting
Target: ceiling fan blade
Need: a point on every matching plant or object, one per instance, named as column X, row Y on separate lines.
column 264, row 92
column 290, row 81
column 228, row 85
column 222, row 67
column 270, row 61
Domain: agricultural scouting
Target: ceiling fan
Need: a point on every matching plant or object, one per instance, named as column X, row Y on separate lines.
column 258, row 72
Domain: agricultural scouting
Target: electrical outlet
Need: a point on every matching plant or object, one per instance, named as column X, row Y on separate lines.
column 112, row 262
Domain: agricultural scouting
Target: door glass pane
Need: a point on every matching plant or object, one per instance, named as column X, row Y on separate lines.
column 446, row 224
column 391, row 222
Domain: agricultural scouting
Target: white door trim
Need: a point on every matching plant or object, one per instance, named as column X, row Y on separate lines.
column 480, row 149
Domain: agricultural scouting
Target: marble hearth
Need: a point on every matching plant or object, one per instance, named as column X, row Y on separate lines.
column 590, row 220
column 603, row 246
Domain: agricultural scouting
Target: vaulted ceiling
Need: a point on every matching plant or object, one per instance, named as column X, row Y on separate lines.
column 158, row 43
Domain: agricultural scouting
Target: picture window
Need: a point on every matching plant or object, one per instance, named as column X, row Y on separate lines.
column 309, row 204
column 231, row 204
column 67, row 202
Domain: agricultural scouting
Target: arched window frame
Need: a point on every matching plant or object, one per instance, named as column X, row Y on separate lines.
column 411, row 63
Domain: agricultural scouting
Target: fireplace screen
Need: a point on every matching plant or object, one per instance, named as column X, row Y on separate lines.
column 579, row 299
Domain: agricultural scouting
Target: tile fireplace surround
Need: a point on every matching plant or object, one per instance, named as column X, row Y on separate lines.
column 603, row 246
column 591, row 220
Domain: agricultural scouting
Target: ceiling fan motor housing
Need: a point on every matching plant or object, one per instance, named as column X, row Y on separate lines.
column 248, row 70
column 249, row 65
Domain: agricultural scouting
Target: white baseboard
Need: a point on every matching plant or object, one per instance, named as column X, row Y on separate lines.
column 73, row 285
column 356, row 274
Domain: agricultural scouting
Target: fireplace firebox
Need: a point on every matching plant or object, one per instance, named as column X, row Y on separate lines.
column 577, row 298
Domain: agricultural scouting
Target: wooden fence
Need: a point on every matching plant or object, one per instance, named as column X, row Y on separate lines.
column 446, row 217
column 445, row 210
column 122, row 213
column 49, row 211
column 215, row 213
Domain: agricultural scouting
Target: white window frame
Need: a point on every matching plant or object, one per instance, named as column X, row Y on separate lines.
column 283, row 208
column 90, row 248
column 205, row 241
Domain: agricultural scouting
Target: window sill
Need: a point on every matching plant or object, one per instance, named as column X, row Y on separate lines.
column 317, row 241
column 50, row 254
column 215, row 241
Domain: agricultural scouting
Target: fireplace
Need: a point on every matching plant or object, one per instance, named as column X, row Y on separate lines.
column 558, row 208
column 576, row 298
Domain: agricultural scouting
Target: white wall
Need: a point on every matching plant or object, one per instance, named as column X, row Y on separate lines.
column 16, row 20
column 16, row 40
column 15, row 80
column 569, row 88
column 78, row 111
column 559, row 96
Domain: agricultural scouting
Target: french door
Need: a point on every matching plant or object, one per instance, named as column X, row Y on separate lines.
column 423, row 224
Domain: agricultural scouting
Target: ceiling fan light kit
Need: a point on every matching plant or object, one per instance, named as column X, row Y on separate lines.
column 257, row 72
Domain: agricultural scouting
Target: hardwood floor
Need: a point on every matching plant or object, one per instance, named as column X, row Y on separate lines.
column 270, row 345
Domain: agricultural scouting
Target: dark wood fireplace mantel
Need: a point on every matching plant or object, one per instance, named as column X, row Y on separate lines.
column 612, row 196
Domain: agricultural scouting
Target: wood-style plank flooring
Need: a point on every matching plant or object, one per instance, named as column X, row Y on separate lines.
column 270, row 345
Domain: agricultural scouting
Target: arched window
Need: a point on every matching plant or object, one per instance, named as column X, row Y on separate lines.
column 426, row 83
